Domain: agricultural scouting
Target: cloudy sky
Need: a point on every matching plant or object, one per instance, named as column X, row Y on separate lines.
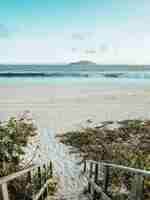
column 60, row 31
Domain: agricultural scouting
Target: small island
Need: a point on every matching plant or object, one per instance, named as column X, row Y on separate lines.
column 83, row 62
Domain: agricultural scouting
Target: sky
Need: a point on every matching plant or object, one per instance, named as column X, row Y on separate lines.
column 62, row 31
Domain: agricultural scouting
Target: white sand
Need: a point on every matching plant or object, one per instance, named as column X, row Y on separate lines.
column 63, row 107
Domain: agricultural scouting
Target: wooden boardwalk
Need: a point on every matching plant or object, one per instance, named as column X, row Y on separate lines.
column 96, row 175
column 96, row 172
column 44, row 175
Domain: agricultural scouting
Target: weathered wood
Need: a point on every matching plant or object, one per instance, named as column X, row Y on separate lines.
column 39, row 177
column 140, row 187
column 137, row 192
column 29, row 177
column 8, row 178
column 137, row 188
column 40, row 193
column 95, row 180
column 45, row 179
column 98, row 189
column 129, row 169
column 4, row 180
column 29, row 180
column 51, row 169
column 96, row 173
column 90, row 176
column 138, row 182
column 5, row 191
column 106, row 178
column 84, row 166
column 40, row 181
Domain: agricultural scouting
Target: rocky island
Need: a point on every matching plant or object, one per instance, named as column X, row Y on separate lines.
column 83, row 62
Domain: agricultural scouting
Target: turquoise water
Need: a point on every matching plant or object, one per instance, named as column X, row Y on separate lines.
column 74, row 74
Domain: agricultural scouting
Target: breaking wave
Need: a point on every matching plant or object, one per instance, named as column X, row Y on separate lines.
column 112, row 75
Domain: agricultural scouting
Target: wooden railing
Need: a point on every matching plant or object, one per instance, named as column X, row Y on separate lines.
column 97, row 172
column 44, row 174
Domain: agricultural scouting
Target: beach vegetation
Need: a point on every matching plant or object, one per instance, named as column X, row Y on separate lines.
column 15, row 135
column 125, row 143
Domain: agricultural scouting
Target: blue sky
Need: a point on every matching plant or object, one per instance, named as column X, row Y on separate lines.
column 60, row 31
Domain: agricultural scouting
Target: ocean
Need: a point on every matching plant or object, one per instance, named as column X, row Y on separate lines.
column 103, row 74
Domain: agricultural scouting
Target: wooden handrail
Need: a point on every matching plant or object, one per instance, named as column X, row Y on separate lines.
column 4, row 180
column 129, row 169
column 15, row 175
column 95, row 189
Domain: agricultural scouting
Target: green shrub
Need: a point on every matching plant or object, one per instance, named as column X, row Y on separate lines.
column 128, row 144
column 14, row 136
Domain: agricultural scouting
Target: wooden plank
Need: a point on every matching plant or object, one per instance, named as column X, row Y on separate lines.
column 96, row 173
column 29, row 177
column 5, row 191
column 40, row 181
column 137, row 188
column 51, row 169
column 45, row 179
column 95, row 180
column 84, row 166
column 138, row 182
column 99, row 190
column 140, row 187
column 39, row 177
column 90, row 176
column 106, row 178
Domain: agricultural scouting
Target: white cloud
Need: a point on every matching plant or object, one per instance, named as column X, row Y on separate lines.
column 125, row 48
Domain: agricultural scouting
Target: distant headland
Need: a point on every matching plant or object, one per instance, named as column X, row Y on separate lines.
column 83, row 62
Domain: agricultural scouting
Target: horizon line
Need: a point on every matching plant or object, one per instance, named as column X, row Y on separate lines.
column 59, row 63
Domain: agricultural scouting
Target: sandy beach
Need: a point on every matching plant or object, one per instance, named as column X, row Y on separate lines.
column 62, row 107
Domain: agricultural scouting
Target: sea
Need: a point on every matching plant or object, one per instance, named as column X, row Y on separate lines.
column 64, row 74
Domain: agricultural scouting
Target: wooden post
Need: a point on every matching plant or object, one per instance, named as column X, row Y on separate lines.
column 106, row 178
column 45, row 179
column 90, row 176
column 29, row 179
column 5, row 191
column 39, row 177
column 96, row 173
column 84, row 167
column 40, row 181
column 51, row 169
column 95, row 180
column 137, row 192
